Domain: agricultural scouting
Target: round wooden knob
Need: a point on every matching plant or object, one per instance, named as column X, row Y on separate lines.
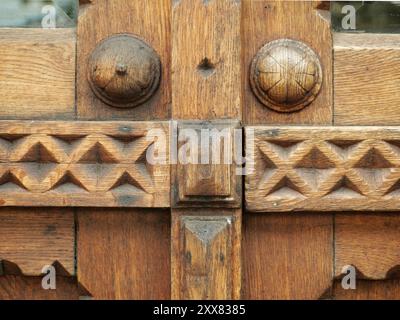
column 286, row 75
column 124, row 71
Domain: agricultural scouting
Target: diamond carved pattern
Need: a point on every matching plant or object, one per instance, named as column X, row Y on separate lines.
column 324, row 169
column 80, row 164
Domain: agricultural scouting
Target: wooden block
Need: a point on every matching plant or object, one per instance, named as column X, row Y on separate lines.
column 323, row 168
column 207, row 177
column 287, row 256
column 30, row 288
column 124, row 254
column 148, row 20
column 265, row 21
column 33, row 238
column 206, row 255
column 369, row 242
column 37, row 73
column 206, row 59
column 369, row 290
column 366, row 79
column 82, row 164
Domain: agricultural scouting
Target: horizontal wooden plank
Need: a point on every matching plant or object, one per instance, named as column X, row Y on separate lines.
column 33, row 238
column 323, row 168
column 366, row 79
column 37, row 73
column 82, row 164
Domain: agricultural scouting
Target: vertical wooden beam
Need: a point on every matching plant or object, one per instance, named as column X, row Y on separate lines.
column 124, row 254
column 287, row 256
column 206, row 85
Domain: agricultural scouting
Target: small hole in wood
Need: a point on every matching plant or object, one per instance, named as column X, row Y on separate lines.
column 206, row 68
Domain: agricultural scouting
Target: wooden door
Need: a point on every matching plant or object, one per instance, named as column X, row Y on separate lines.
column 109, row 170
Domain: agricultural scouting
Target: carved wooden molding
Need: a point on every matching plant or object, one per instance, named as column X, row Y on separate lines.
column 206, row 259
column 323, row 168
column 81, row 164
column 211, row 184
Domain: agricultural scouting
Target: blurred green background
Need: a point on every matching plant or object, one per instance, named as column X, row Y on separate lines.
column 28, row 13
column 371, row 16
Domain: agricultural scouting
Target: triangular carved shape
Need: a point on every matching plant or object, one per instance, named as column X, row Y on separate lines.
column 68, row 142
column 373, row 159
column 39, row 170
column 124, row 182
column 284, row 148
column 38, row 153
column 315, row 159
column 344, row 147
column 373, row 177
column 68, row 183
column 10, row 182
column 206, row 231
column 285, row 186
column 344, row 188
column 314, row 177
column 98, row 154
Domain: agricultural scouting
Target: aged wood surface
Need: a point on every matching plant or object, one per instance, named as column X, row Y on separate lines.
column 287, row 256
column 124, row 71
column 148, row 20
column 37, row 73
column 124, row 254
column 206, row 86
column 366, row 79
column 33, row 238
column 206, row 65
column 324, row 169
column 286, row 75
column 369, row 242
column 369, row 290
column 30, row 288
column 206, row 178
column 206, row 254
column 82, row 164
column 264, row 21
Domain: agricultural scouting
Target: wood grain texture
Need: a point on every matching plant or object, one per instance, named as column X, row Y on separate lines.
column 206, row 85
column 287, row 256
column 149, row 20
column 369, row 242
column 124, row 254
column 30, row 288
column 206, row 177
column 37, row 73
column 366, row 79
column 323, row 168
column 33, row 238
column 206, row 59
column 265, row 21
column 206, row 254
column 82, row 164
column 369, row 290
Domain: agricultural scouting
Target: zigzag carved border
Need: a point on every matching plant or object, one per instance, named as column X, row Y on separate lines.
column 56, row 163
column 323, row 168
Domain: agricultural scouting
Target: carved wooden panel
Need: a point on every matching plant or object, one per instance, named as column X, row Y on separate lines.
column 82, row 164
column 206, row 178
column 206, row 259
column 323, row 168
